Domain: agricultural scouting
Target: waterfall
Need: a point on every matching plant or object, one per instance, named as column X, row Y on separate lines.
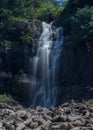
column 45, row 65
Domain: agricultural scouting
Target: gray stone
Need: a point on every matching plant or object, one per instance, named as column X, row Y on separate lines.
column 39, row 128
column 20, row 126
column 28, row 122
column 91, row 120
column 22, row 114
column 55, row 127
column 59, row 125
column 77, row 128
column 1, row 125
column 56, row 118
column 33, row 125
column 78, row 123
column 91, row 109
column 47, row 117
column 73, row 118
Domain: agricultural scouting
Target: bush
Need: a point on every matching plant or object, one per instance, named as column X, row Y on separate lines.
column 82, row 26
column 5, row 98
column 21, row 72
column 48, row 11
column 88, row 102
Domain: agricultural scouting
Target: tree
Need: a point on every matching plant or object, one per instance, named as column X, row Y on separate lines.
column 82, row 26
column 48, row 11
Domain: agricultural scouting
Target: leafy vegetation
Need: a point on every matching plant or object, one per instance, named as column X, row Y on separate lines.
column 48, row 11
column 88, row 102
column 5, row 98
column 77, row 19
column 14, row 32
column 82, row 26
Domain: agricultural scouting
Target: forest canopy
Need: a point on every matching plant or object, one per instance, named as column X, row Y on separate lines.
column 66, row 13
column 30, row 9
column 14, row 12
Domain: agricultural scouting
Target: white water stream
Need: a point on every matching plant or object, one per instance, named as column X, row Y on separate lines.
column 45, row 63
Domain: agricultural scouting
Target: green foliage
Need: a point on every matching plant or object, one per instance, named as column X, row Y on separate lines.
column 88, row 102
column 5, row 14
column 77, row 20
column 27, row 39
column 48, row 11
column 14, row 14
column 26, row 8
column 21, row 72
column 72, row 5
column 26, row 36
column 5, row 98
column 15, row 31
column 82, row 26
column 5, row 44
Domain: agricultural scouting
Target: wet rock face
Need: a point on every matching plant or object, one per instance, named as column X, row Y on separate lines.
column 75, row 73
column 76, row 66
column 68, row 116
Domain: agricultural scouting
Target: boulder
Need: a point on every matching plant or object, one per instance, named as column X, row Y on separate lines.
column 22, row 114
column 20, row 126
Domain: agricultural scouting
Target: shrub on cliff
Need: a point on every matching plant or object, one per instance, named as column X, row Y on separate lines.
column 15, row 30
column 5, row 98
column 77, row 20
column 82, row 27
column 48, row 11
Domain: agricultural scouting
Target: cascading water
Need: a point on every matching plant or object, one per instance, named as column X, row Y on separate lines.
column 45, row 65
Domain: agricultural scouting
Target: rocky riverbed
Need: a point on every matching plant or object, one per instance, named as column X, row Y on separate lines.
column 68, row 116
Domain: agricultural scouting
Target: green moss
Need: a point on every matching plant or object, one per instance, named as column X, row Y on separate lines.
column 88, row 102
column 5, row 98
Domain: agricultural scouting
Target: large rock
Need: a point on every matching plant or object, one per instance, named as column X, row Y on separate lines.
column 20, row 126
column 19, row 118
column 22, row 114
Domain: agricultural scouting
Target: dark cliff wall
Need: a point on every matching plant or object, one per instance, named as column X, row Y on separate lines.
column 76, row 66
column 75, row 74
